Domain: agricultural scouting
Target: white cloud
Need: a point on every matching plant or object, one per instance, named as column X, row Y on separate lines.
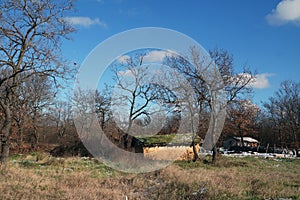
column 287, row 11
column 261, row 81
column 157, row 56
column 123, row 59
column 85, row 21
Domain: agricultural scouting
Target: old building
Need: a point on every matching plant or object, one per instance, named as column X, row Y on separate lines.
column 237, row 141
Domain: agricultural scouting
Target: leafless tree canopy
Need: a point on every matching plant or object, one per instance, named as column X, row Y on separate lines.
column 31, row 33
column 283, row 114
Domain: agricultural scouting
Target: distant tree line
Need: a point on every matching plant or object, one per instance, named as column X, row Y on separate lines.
column 32, row 72
column 279, row 123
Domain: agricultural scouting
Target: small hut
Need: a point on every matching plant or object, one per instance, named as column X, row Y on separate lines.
column 237, row 141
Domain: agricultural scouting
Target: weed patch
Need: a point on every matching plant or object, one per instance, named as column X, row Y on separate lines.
column 40, row 176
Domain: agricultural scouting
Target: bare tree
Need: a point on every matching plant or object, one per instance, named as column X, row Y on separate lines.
column 284, row 110
column 134, row 92
column 207, row 86
column 61, row 114
column 102, row 105
column 140, row 102
column 33, row 96
column 30, row 39
column 41, row 96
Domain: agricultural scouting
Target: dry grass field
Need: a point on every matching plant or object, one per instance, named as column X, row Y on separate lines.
column 40, row 176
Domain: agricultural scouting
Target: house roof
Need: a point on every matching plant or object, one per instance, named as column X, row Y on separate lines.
column 247, row 139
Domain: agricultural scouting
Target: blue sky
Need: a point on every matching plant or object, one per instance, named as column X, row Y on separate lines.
column 265, row 35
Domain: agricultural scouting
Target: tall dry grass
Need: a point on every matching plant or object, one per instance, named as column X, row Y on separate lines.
column 43, row 177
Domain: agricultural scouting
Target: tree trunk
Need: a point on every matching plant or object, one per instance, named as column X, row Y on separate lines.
column 35, row 135
column 214, row 155
column 128, row 137
column 296, row 144
column 35, row 139
column 102, row 120
column 241, row 136
column 4, row 150
column 195, row 158
column 20, row 133
column 125, row 142
column 6, row 130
